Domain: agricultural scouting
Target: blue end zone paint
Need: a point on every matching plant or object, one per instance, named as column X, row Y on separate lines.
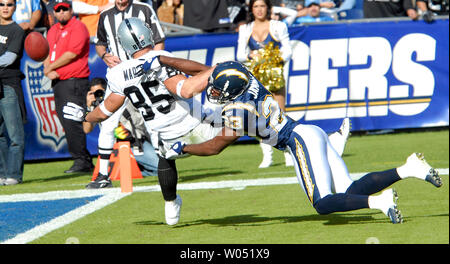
column 18, row 217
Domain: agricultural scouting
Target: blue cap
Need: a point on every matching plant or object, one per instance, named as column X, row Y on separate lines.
column 311, row 2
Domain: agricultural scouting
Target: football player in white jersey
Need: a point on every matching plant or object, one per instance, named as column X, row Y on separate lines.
column 249, row 108
column 155, row 90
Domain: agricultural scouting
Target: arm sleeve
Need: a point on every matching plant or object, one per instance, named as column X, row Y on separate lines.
column 242, row 45
column 7, row 58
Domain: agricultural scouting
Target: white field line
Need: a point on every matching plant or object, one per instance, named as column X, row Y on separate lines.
column 65, row 219
column 112, row 195
column 234, row 184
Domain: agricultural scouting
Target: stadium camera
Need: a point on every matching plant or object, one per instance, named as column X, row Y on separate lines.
column 99, row 95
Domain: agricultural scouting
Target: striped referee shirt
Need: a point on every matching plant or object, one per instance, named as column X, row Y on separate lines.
column 109, row 22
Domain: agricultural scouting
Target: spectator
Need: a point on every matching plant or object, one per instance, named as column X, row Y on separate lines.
column 389, row 8
column 209, row 16
column 47, row 16
column 237, row 10
column 28, row 14
column 131, row 128
column 326, row 4
column 276, row 2
column 107, row 47
column 88, row 12
column 289, row 11
column 292, row 4
column 171, row 11
column 254, row 36
column 12, row 104
column 438, row 7
column 155, row 4
column 67, row 67
column 313, row 14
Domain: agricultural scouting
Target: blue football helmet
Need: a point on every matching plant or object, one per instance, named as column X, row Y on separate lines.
column 228, row 81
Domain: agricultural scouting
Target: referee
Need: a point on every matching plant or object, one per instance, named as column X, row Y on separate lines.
column 67, row 67
column 107, row 46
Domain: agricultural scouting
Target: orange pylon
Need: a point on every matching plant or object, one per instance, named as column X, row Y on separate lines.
column 116, row 160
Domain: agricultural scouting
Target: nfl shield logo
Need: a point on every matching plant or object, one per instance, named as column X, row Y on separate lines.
column 49, row 129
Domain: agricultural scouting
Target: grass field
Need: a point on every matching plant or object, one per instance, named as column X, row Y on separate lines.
column 272, row 214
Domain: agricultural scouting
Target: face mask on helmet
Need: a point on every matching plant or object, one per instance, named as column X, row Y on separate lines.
column 134, row 34
column 228, row 81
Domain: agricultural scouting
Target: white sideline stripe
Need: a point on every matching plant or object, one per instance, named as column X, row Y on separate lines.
column 114, row 194
column 57, row 195
column 65, row 219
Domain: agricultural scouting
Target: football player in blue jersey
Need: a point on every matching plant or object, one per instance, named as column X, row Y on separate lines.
column 248, row 108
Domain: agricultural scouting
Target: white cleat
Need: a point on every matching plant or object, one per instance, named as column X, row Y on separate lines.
column 390, row 198
column 172, row 211
column 265, row 163
column 339, row 138
column 418, row 167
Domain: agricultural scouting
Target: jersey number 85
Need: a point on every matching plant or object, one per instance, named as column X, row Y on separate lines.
column 163, row 103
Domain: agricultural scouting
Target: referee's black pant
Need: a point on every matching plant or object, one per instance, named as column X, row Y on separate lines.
column 73, row 90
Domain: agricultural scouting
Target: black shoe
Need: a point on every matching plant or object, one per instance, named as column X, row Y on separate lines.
column 102, row 181
column 80, row 168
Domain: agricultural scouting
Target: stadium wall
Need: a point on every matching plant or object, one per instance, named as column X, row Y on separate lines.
column 384, row 75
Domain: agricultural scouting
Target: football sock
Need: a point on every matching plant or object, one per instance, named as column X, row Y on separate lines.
column 406, row 171
column 373, row 182
column 103, row 169
column 381, row 202
column 168, row 178
column 104, row 154
column 341, row 202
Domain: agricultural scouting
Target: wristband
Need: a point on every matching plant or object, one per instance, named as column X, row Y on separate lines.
column 104, row 110
column 179, row 86
column 84, row 116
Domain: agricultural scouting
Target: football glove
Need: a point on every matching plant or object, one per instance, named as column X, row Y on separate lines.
column 122, row 133
column 151, row 64
column 176, row 151
column 74, row 112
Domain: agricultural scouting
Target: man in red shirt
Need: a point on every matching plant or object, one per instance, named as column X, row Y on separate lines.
column 67, row 67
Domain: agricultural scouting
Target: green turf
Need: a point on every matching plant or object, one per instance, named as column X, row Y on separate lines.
column 263, row 214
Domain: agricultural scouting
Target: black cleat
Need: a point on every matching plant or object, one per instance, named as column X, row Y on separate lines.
column 102, row 181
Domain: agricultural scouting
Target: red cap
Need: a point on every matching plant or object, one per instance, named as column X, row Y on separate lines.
column 64, row 3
